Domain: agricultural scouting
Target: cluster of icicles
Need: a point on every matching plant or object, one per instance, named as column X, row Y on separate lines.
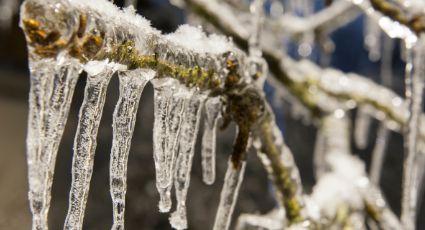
column 177, row 115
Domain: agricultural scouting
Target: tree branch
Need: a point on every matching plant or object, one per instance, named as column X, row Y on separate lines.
column 330, row 88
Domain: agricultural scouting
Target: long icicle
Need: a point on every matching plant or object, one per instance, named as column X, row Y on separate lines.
column 362, row 126
column 212, row 115
column 132, row 84
column 163, row 92
column 186, row 147
column 52, row 86
column 98, row 77
column 372, row 44
column 229, row 194
column 319, row 154
column 414, row 91
column 378, row 154
column 174, row 119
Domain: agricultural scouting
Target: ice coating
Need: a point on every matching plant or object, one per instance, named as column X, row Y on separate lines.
column 99, row 74
column 229, row 194
column 163, row 145
column 373, row 39
column 173, row 125
column 362, row 127
column 52, row 86
column 414, row 91
column 212, row 115
column 186, row 149
column 132, row 84
column 378, row 154
column 319, row 154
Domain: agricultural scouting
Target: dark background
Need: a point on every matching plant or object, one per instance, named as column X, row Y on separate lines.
column 141, row 210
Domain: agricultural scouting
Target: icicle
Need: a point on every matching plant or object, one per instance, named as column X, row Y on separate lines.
column 212, row 115
column 7, row 8
column 361, row 127
column 257, row 12
column 98, row 76
column 414, row 91
column 132, row 84
column 167, row 108
column 229, row 194
column 387, row 62
column 319, row 154
column 52, row 86
column 174, row 120
column 421, row 174
column 378, row 154
column 372, row 40
column 186, row 147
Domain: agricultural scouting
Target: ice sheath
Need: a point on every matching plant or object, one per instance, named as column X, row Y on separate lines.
column 132, row 84
column 52, row 86
column 98, row 77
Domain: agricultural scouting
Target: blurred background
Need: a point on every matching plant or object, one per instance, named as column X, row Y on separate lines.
column 142, row 198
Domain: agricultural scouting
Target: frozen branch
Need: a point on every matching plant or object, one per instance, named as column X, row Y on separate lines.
column 329, row 88
column 103, row 38
column 326, row 20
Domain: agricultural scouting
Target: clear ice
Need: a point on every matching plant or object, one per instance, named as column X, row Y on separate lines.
column 52, row 86
column 186, row 149
column 383, row 134
column 415, row 72
column 212, row 115
column 98, row 77
column 362, row 127
column 169, row 101
column 132, row 84
column 229, row 195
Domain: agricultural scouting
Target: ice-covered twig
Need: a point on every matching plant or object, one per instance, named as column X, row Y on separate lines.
column 325, row 95
column 102, row 36
column 326, row 20
column 346, row 173
column 279, row 163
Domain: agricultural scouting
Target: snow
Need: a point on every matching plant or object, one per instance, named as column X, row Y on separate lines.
column 194, row 39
